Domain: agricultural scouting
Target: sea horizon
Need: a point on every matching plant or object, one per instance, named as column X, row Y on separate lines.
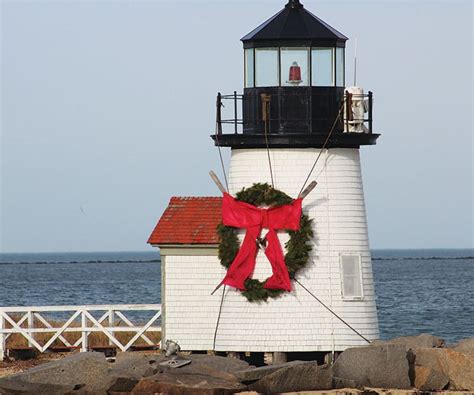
column 417, row 290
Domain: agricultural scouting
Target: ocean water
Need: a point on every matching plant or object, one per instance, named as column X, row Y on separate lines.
column 417, row 290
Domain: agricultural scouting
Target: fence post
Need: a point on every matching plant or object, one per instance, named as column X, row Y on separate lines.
column 3, row 342
column 84, row 345
column 111, row 324
column 31, row 324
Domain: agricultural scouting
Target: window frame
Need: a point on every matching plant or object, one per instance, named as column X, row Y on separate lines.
column 341, row 270
column 333, row 66
column 343, row 67
column 277, row 50
column 308, row 65
column 310, row 49
column 245, row 67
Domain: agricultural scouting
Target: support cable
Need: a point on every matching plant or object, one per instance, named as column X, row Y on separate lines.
column 266, row 118
column 324, row 145
column 332, row 312
column 217, row 133
column 218, row 319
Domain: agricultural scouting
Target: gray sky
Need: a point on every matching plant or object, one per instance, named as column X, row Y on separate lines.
column 106, row 109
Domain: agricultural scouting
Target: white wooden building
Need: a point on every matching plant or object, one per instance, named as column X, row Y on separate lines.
column 299, row 131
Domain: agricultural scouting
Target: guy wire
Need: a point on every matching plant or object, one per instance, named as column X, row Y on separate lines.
column 218, row 319
column 324, row 145
column 267, row 120
column 332, row 312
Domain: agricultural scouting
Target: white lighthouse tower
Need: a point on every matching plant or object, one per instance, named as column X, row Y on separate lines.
column 299, row 123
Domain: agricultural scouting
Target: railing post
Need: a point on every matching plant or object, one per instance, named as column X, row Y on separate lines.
column 235, row 112
column 84, row 343
column 349, row 114
column 31, row 324
column 370, row 111
column 3, row 341
column 218, row 114
column 111, row 325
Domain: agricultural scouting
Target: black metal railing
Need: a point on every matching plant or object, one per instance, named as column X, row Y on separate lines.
column 349, row 120
column 237, row 111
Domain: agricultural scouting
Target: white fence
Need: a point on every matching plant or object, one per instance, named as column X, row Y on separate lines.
column 29, row 321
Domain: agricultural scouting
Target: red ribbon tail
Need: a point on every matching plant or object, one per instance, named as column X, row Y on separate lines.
column 280, row 278
column 244, row 263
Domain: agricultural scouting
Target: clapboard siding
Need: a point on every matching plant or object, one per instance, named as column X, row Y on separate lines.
column 294, row 322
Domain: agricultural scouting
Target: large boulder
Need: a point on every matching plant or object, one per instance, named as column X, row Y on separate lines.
column 373, row 366
column 424, row 340
column 254, row 374
column 458, row 367
column 212, row 362
column 297, row 377
column 85, row 372
column 136, row 366
column 465, row 346
column 205, row 375
column 186, row 384
column 427, row 379
column 10, row 386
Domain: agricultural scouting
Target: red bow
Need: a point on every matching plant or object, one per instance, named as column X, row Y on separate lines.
column 243, row 215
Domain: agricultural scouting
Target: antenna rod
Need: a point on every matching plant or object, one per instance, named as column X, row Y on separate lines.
column 355, row 62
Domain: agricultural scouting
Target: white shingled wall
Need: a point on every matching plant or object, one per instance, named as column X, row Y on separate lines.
column 294, row 322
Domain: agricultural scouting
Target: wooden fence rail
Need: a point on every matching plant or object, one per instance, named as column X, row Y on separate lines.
column 30, row 320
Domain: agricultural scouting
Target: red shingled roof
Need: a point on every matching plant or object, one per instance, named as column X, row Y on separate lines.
column 189, row 220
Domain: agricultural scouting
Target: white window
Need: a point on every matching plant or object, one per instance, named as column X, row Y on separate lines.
column 249, row 70
column 351, row 276
column 266, row 65
column 340, row 66
column 322, row 66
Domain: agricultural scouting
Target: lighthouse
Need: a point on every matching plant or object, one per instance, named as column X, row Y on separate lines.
column 298, row 122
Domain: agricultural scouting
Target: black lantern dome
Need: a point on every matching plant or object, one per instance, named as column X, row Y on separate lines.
column 294, row 87
column 292, row 23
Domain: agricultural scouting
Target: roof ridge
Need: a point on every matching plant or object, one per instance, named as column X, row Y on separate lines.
column 195, row 197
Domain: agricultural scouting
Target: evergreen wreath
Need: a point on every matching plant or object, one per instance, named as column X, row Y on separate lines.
column 297, row 247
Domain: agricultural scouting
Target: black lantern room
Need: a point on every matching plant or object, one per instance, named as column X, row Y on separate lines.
column 294, row 88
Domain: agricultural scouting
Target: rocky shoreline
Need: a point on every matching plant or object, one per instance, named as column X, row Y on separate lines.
column 406, row 365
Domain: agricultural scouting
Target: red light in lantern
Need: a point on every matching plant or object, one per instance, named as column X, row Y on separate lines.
column 295, row 74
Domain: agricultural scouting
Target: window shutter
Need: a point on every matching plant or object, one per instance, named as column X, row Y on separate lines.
column 351, row 274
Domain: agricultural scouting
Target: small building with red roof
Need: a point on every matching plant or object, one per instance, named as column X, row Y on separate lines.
column 186, row 235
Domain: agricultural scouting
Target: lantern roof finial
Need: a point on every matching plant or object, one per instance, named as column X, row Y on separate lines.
column 294, row 4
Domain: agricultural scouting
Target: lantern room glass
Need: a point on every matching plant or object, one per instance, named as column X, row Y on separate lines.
column 249, row 68
column 322, row 66
column 340, row 66
column 266, row 67
column 294, row 67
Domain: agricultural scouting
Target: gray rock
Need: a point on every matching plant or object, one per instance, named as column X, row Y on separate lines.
column 373, row 366
column 254, row 374
column 15, row 386
column 186, row 384
column 84, row 371
column 223, row 364
column 424, row 340
column 299, row 377
column 206, row 374
column 122, row 386
column 458, row 367
column 135, row 365
column 465, row 346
